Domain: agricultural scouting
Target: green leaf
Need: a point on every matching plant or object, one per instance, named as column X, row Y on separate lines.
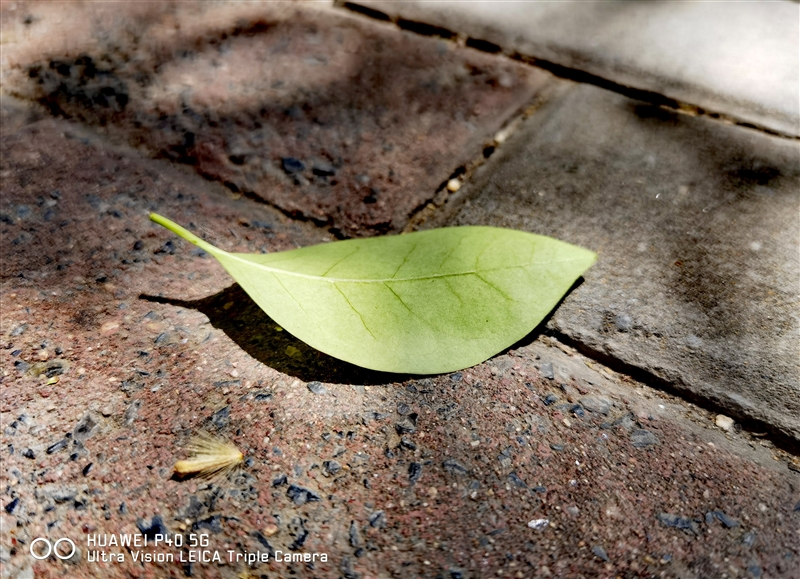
column 422, row 303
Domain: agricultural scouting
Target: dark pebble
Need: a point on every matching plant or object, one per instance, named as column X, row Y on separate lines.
column 377, row 519
column 301, row 496
column 414, row 472
column 514, row 478
column 403, row 409
column 557, row 447
column 642, row 438
column 456, row 376
column 138, row 245
column 578, row 411
column 355, row 536
column 407, row 444
column 48, row 215
column 12, row 506
column 221, row 417
column 454, row 467
column 62, row 494
column 21, row 365
column 749, row 539
column 213, row 524
column 540, row 489
column 722, row 518
column 797, row 507
column 155, row 527
column 264, row 542
column 280, row 480
column 19, row 330
column 755, row 570
column 291, row 165
column 299, row 540
column 547, row 371
column 323, row 169
column 197, row 252
column 87, row 469
column 60, row 445
column 23, row 211
column 16, row 353
column 332, row 467
column 405, row 427
column 317, row 388
column 84, row 429
column 600, row 553
column 262, row 396
column 550, row 399
column 678, row 522
column 347, row 569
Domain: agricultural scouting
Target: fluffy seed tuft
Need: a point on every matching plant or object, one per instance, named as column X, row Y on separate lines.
column 210, row 457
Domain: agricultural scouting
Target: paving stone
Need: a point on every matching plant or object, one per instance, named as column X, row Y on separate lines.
column 334, row 118
column 695, row 223
column 740, row 59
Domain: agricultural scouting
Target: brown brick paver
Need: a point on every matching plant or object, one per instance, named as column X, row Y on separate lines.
column 348, row 123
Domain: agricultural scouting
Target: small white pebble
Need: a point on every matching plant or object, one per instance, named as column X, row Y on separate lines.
column 453, row 185
column 538, row 524
column 724, row 422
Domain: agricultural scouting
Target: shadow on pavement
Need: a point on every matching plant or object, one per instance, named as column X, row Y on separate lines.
column 244, row 322
column 236, row 314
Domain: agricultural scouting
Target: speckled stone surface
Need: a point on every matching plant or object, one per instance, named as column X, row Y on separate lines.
column 119, row 342
column 696, row 226
column 351, row 124
column 535, row 463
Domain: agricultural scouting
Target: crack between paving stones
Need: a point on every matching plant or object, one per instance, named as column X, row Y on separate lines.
column 442, row 196
column 561, row 71
column 780, row 439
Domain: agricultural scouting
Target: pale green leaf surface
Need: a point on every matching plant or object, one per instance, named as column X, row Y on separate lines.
column 422, row 303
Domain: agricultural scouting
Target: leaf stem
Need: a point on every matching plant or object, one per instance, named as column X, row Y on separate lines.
column 185, row 234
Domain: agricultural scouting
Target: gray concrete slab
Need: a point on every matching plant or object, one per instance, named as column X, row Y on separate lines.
column 697, row 230
column 735, row 58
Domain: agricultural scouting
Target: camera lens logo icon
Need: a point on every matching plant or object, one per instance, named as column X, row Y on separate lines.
column 44, row 550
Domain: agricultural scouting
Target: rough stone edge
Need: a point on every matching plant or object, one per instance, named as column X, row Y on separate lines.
column 645, row 85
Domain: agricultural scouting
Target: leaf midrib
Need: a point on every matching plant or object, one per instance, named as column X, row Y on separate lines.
column 212, row 249
column 275, row 270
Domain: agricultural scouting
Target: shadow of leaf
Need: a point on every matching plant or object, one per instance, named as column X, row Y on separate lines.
column 236, row 314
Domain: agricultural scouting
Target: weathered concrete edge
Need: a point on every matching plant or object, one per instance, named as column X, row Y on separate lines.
column 582, row 67
column 779, row 428
column 782, row 430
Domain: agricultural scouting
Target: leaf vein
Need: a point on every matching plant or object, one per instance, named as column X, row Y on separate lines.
column 494, row 287
column 340, row 261
column 278, row 271
column 361, row 317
